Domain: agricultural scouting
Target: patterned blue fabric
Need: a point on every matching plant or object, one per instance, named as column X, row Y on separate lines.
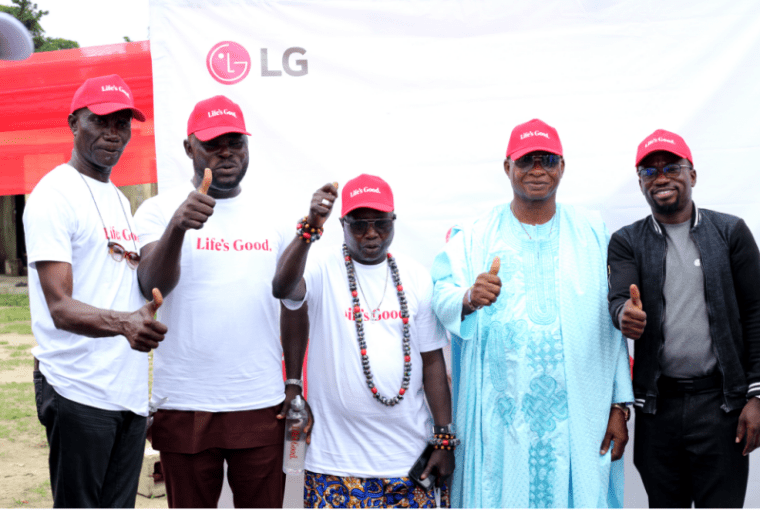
column 329, row 491
column 535, row 373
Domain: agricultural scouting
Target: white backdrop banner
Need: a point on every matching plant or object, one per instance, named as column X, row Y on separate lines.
column 425, row 93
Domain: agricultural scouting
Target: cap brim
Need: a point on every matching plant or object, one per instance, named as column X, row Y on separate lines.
column 204, row 135
column 377, row 206
column 106, row 108
column 527, row 150
column 15, row 40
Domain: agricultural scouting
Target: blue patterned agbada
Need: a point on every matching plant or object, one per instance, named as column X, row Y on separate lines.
column 535, row 373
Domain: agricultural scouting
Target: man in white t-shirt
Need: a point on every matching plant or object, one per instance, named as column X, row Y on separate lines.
column 374, row 341
column 92, row 326
column 208, row 246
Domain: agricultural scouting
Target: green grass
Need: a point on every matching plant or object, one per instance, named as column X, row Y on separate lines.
column 15, row 314
column 41, row 490
column 19, row 328
column 19, row 355
column 36, row 497
column 14, row 300
column 18, row 412
column 12, row 364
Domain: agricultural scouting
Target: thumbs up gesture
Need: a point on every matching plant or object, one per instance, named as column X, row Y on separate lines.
column 197, row 208
column 633, row 319
column 206, row 182
column 485, row 290
column 141, row 328
column 156, row 302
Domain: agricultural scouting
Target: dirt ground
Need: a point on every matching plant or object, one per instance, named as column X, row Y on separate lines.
column 24, row 478
column 22, row 374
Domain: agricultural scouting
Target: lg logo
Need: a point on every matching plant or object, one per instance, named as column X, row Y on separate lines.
column 229, row 63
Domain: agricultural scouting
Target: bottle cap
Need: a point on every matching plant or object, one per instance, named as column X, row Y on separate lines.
column 297, row 404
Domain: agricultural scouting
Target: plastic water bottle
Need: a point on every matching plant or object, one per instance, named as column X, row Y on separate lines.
column 295, row 440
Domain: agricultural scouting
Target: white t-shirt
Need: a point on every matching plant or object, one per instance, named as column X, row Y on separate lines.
column 354, row 434
column 62, row 224
column 222, row 351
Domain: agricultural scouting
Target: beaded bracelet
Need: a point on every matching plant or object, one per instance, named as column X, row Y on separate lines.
column 444, row 441
column 307, row 232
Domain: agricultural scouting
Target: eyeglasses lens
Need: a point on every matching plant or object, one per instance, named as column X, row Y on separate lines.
column 133, row 259
column 360, row 227
column 118, row 253
column 548, row 161
column 669, row 171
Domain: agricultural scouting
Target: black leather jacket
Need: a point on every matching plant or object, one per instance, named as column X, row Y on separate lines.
column 731, row 264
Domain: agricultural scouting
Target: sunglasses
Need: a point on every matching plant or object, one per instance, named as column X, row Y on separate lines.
column 360, row 227
column 669, row 171
column 118, row 253
column 548, row 161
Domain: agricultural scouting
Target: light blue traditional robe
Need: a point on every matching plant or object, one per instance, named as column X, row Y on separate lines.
column 535, row 373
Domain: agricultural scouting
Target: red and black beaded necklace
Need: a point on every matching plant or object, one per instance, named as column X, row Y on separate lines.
column 360, row 330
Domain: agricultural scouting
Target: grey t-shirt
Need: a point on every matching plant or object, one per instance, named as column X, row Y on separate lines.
column 688, row 350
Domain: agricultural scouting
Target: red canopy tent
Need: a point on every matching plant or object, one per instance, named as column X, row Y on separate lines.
column 35, row 96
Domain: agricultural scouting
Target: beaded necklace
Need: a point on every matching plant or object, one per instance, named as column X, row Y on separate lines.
column 360, row 330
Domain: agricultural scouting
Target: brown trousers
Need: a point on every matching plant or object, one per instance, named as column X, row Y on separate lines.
column 194, row 446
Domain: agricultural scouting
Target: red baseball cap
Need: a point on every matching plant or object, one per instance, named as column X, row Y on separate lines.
column 534, row 135
column 366, row 191
column 214, row 117
column 104, row 95
column 662, row 140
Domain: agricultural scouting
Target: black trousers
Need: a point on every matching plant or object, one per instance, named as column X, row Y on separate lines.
column 95, row 454
column 687, row 453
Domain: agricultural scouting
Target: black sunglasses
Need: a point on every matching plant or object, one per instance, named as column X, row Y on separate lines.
column 360, row 227
column 548, row 161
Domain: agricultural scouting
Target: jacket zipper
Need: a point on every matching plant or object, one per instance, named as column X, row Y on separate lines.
column 661, row 347
column 709, row 320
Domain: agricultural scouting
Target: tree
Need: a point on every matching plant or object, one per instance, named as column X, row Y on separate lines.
column 29, row 15
column 52, row 44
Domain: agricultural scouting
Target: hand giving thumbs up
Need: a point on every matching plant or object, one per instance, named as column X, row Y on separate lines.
column 142, row 330
column 633, row 319
column 197, row 208
column 484, row 291
column 206, row 182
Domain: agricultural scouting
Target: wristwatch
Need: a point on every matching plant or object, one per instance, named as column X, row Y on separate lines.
column 443, row 429
column 297, row 382
column 626, row 410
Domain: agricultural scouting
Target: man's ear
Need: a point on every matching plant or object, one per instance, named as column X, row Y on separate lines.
column 73, row 121
column 188, row 147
